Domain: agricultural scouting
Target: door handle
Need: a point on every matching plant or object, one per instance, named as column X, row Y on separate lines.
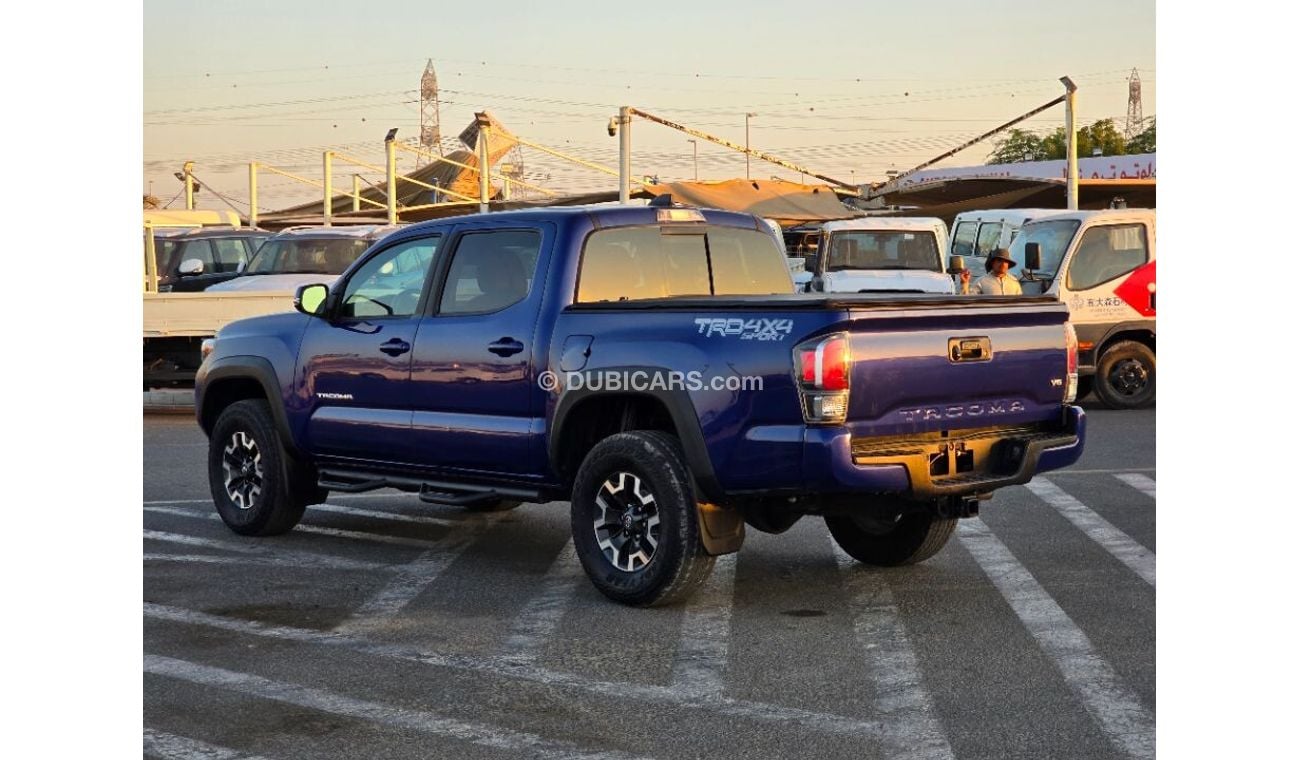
column 506, row 347
column 395, row 347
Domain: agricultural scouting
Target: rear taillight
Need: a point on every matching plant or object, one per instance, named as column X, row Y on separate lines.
column 1071, row 363
column 822, row 370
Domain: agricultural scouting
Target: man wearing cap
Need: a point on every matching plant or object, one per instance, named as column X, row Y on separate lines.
column 997, row 282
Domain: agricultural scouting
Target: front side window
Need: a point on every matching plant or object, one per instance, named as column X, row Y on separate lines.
column 231, row 252
column 328, row 256
column 490, row 271
column 195, row 250
column 391, row 282
column 1106, row 253
column 990, row 236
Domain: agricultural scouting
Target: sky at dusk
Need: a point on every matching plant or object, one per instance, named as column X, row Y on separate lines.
column 849, row 90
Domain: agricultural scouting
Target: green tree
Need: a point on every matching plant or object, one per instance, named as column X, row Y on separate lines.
column 1018, row 145
column 1144, row 141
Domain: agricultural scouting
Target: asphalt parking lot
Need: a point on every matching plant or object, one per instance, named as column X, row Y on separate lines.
column 385, row 627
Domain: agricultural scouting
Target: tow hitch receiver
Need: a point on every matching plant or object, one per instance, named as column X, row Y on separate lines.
column 959, row 506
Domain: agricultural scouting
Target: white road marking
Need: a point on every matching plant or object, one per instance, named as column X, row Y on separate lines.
column 551, row 598
column 1140, row 482
column 701, row 663
column 225, row 559
column 378, row 612
column 1117, row 710
column 1137, row 557
column 339, row 509
column 398, row 717
column 268, row 551
column 891, row 662
column 387, row 495
column 356, row 535
column 511, row 669
column 173, row 747
column 1102, row 471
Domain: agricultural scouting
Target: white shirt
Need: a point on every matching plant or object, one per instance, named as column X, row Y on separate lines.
column 992, row 285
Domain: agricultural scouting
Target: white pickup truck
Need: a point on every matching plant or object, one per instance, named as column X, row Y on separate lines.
column 882, row 254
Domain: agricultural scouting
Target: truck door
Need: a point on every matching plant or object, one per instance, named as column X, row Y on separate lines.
column 1106, row 279
column 357, row 364
column 477, row 406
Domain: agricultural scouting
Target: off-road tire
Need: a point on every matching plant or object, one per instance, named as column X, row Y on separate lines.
column 679, row 564
column 287, row 487
column 1139, row 359
column 916, row 536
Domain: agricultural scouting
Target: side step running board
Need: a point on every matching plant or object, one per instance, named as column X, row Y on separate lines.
column 433, row 492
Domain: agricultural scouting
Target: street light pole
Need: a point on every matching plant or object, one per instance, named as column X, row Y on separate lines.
column 747, row 117
column 1071, row 147
column 695, row 157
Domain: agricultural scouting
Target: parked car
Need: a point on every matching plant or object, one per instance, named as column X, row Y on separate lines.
column 882, row 254
column 300, row 255
column 575, row 354
column 194, row 259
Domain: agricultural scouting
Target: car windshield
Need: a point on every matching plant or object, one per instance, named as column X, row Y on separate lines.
column 888, row 249
column 1053, row 238
column 306, row 256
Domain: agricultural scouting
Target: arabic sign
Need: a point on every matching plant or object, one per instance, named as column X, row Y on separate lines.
column 1139, row 166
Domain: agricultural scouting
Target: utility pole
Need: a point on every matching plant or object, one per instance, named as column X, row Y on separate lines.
column 1133, row 122
column 430, row 128
column 252, row 194
column 695, row 157
column 356, row 192
column 747, row 117
column 189, row 185
column 1071, row 147
column 390, row 151
column 329, row 188
column 484, row 165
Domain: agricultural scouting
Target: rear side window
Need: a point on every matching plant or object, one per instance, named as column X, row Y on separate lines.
column 963, row 239
column 634, row 263
column 490, row 271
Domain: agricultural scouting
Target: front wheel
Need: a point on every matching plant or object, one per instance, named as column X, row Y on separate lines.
column 257, row 489
column 635, row 528
column 1126, row 376
column 902, row 540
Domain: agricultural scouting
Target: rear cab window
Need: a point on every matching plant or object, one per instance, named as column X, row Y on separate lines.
column 636, row 263
column 882, row 250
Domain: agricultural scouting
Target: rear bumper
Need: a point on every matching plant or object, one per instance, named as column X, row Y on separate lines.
column 962, row 464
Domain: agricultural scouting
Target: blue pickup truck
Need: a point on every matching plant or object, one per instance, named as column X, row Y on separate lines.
column 650, row 366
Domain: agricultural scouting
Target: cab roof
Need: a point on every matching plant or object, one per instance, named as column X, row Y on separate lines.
column 886, row 223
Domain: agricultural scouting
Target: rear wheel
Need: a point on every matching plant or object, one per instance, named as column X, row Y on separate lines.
column 902, row 540
column 257, row 488
column 1126, row 376
column 634, row 521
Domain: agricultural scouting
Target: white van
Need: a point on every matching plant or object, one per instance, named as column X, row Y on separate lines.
column 882, row 254
column 976, row 233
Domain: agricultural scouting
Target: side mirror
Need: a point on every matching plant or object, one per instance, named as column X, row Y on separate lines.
column 191, row 267
column 956, row 265
column 1033, row 257
column 309, row 299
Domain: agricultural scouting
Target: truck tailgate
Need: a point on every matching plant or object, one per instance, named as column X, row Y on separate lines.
column 955, row 367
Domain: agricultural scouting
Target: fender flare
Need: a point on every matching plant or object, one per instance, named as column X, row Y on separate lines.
column 680, row 409
column 248, row 368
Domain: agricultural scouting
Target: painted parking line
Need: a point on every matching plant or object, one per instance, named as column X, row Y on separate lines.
column 700, row 665
column 379, row 611
column 1113, row 706
column 269, row 551
column 1135, row 556
column 389, row 495
column 552, row 597
column 375, row 514
column 355, row 535
column 513, row 670
column 482, row 734
column 173, row 747
column 1140, row 482
column 890, row 661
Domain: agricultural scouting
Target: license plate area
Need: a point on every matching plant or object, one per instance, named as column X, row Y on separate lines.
column 951, row 458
